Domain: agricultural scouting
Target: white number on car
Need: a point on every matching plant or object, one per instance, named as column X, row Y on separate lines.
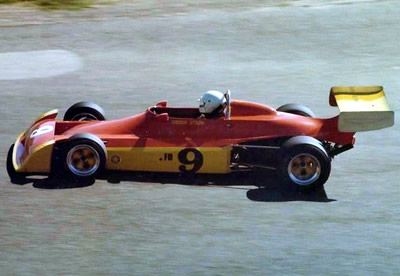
column 41, row 130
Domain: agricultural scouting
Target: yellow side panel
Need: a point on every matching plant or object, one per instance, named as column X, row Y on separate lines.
column 170, row 159
column 39, row 160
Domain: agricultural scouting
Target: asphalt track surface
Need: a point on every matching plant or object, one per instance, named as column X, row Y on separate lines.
column 130, row 56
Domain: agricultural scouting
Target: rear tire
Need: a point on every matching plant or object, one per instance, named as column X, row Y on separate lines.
column 304, row 164
column 15, row 177
column 297, row 109
column 84, row 111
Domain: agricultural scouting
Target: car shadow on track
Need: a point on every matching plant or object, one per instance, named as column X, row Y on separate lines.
column 49, row 183
column 270, row 191
column 278, row 195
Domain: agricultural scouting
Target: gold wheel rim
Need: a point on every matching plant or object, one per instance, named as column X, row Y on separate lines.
column 83, row 160
column 304, row 169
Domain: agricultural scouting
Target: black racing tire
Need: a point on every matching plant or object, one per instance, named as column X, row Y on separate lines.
column 304, row 164
column 80, row 159
column 84, row 111
column 15, row 177
column 297, row 109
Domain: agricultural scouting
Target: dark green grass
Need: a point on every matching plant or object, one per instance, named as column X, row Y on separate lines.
column 53, row 4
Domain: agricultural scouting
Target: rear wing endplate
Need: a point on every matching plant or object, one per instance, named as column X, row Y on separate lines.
column 362, row 108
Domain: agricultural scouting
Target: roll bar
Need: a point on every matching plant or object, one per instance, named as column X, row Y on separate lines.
column 228, row 104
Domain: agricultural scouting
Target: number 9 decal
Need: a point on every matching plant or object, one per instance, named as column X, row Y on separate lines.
column 190, row 156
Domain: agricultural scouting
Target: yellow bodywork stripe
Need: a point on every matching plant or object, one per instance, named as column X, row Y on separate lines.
column 170, row 159
column 46, row 114
column 360, row 98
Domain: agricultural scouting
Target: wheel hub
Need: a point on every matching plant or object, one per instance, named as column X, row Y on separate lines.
column 304, row 169
column 83, row 160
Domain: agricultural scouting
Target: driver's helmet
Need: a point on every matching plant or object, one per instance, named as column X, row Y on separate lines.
column 211, row 101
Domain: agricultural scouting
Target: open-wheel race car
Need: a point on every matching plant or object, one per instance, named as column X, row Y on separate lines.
column 237, row 135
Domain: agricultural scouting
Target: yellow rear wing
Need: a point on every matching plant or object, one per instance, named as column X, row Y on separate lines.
column 362, row 108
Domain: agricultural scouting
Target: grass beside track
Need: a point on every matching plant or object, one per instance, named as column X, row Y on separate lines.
column 53, row 4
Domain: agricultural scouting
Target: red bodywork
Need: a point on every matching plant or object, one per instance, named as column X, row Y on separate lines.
column 163, row 126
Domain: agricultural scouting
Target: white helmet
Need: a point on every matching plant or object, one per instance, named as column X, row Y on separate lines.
column 210, row 101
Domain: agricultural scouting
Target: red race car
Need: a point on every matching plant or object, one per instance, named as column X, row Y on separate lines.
column 219, row 137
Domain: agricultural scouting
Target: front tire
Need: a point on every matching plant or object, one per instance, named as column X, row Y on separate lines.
column 82, row 158
column 84, row 111
column 303, row 164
